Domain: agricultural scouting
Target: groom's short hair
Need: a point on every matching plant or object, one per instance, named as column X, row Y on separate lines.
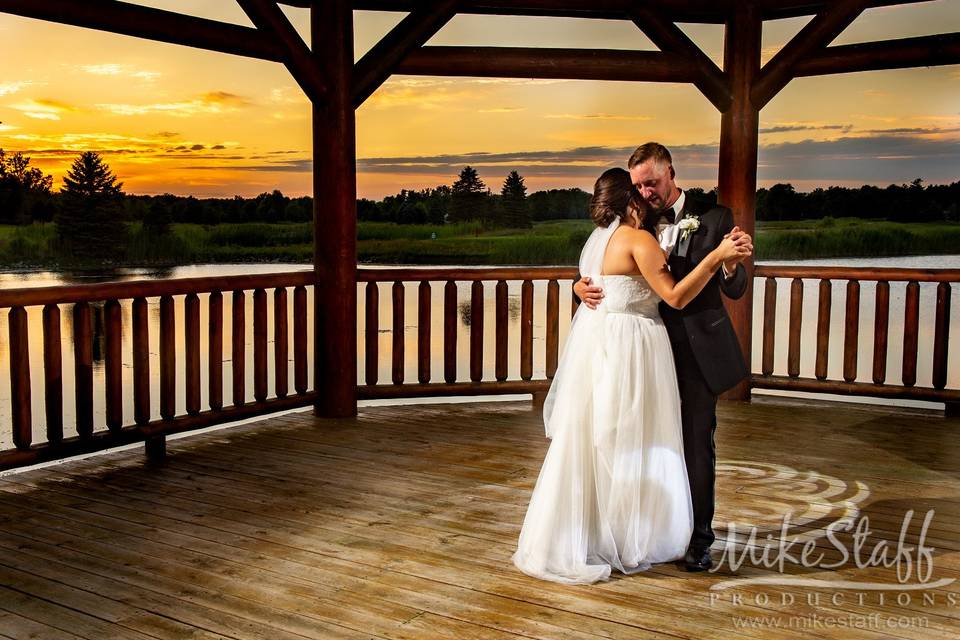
column 650, row 151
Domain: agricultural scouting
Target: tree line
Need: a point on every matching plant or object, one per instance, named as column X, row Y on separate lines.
column 91, row 203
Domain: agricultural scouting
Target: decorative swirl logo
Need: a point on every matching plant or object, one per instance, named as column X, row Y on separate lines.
column 821, row 508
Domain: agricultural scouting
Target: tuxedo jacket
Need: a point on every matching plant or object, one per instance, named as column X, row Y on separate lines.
column 704, row 322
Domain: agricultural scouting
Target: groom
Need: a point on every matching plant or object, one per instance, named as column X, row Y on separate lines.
column 705, row 347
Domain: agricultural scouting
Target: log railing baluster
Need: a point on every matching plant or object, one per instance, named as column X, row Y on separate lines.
column 372, row 333
column 796, row 319
column 300, row 339
column 215, row 350
column 823, row 329
column 476, row 331
column 168, row 359
column 941, row 336
column 911, row 332
column 526, row 330
column 769, row 325
column 20, row 400
column 450, row 331
column 191, row 351
column 141, row 361
column 83, row 368
column 851, row 334
column 881, row 322
column 52, row 373
column 424, row 304
column 552, row 342
column 113, row 364
column 398, row 333
column 259, row 345
column 503, row 328
column 281, row 343
column 238, row 344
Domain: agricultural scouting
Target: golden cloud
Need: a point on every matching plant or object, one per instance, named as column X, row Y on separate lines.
column 43, row 109
column 213, row 102
column 7, row 88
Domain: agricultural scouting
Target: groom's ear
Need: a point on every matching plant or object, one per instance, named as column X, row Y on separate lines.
column 673, row 174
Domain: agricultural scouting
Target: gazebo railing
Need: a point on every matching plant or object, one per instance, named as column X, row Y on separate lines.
column 96, row 323
column 448, row 383
column 191, row 363
column 908, row 283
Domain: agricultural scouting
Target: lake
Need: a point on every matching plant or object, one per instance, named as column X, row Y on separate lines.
column 36, row 279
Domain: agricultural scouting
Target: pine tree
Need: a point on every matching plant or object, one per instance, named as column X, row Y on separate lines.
column 513, row 201
column 469, row 197
column 90, row 223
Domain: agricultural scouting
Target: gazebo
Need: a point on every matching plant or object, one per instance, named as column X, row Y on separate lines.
column 398, row 522
column 336, row 86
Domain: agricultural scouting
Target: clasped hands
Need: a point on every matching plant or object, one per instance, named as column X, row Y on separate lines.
column 592, row 295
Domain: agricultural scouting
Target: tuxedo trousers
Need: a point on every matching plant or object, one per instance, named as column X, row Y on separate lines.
column 698, row 415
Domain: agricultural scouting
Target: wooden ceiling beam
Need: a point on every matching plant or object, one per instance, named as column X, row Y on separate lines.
column 569, row 64
column 671, row 39
column 704, row 11
column 814, row 36
column 297, row 57
column 413, row 32
column 904, row 53
column 134, row 20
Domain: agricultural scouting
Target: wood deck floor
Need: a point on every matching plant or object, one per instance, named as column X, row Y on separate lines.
column 400, row 524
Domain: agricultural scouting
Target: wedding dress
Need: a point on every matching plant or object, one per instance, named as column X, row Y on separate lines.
column 613, row 491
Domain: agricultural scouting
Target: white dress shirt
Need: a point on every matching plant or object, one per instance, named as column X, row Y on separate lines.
column 669, row 233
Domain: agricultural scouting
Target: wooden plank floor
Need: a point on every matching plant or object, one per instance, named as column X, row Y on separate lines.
column 400, row 524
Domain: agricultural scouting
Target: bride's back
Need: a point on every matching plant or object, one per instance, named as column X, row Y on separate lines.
column 618, row 258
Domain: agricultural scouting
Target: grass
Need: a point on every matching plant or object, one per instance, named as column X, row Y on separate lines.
column 854, row 237
column 553, row 242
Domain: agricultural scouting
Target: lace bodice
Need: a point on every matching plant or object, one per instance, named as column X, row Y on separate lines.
column 629, row 294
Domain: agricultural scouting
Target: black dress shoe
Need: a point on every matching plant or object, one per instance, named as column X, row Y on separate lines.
column 697, row 559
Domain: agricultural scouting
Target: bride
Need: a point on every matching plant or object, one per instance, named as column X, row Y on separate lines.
column 613, row 490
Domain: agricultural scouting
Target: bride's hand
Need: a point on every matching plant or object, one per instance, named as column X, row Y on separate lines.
column 733, row 247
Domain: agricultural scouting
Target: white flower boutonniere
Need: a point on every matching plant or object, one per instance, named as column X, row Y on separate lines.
column 688, row 225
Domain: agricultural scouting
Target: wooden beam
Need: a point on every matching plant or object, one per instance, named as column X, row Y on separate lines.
column 571, row 64
column 818, row 33
column 335, row 214
column 269, row 19
column 412, row 33
column 152, row 24
column 704, row 11
column 923, row 51
column 737, row 176
column 671, row 39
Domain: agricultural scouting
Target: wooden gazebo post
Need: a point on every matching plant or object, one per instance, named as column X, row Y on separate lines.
column 334, row 213
column 739, row 139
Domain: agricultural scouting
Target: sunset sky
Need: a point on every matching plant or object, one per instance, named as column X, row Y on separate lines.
column 179, row 120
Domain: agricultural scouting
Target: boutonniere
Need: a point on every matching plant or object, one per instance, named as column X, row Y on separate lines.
column 688, row 225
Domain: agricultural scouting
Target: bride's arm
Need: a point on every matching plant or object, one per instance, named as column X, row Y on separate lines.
column 653, row 265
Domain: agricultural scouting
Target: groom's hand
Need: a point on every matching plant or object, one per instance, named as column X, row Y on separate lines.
column 589, row 295
column 743, row 240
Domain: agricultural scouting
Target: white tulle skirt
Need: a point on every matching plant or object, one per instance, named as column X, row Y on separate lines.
column 613, row 491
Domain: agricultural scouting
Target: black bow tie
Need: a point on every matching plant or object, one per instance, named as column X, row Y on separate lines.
column 669, row 215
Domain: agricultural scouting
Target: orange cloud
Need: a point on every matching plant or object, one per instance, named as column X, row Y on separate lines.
column 43, row 109
column 214, row 102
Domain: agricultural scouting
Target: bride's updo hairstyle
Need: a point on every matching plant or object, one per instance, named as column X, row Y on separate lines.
column 614, row 196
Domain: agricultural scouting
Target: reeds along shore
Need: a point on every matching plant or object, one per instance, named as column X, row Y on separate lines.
column 551, row 242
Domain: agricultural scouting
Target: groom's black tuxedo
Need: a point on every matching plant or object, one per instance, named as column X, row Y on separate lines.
column 704, row 321
column 707, row 356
